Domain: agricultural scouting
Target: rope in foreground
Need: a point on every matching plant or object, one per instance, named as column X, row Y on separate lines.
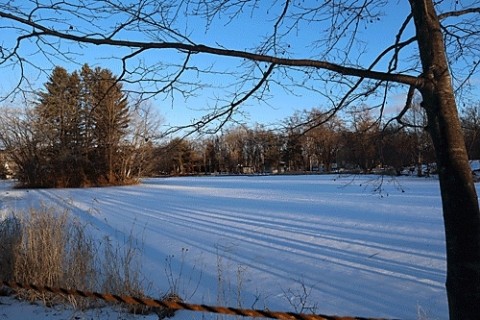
column 178, row 305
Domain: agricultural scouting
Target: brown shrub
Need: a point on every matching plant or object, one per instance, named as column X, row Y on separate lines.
column 46, row 248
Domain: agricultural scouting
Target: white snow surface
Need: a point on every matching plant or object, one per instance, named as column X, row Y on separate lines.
column 356, row 250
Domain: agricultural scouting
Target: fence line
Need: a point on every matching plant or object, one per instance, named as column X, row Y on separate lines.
column 179, row 305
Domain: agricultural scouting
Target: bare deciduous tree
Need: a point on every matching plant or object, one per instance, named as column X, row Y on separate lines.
column 143, row 134
column 434, row 51
column 471, row 126
column 18, row 138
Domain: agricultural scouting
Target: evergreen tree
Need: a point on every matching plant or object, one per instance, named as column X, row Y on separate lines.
column 57, row 112
column 108, row 120
column 82, row 119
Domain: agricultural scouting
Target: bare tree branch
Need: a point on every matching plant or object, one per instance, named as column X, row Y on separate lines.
column 225, row 113
column 348, row 71
column 458, row 13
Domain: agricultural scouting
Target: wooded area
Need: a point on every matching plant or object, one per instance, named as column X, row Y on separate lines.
column 79, row 132
column 356, row 145
column 83, row 131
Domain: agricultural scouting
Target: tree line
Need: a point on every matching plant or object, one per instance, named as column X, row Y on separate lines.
column 83, row 131
column 357, row 143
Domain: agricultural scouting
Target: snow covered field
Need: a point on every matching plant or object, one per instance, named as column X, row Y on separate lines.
column 346, row 248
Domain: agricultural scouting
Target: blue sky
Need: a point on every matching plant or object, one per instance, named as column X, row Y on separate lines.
column 243, row 33
column 247, row 31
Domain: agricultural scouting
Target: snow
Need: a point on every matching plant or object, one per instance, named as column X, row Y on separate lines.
column 347, row 245
column 12, row 309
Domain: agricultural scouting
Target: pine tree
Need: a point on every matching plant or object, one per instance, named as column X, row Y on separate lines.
column 109, row 114
column 82, row 119
column 57, row 112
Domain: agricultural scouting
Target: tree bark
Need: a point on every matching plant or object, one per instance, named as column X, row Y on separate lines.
column 459, row 199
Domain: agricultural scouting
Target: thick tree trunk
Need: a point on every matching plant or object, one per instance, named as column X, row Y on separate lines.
column 459, row 199
column 460, row 209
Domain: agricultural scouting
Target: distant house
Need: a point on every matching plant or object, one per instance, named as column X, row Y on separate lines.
column 6, row 166
column 248, row 169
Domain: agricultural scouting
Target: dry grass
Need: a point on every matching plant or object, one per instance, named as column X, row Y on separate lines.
column 120, row 271
column 48, row 248
column 10, row 237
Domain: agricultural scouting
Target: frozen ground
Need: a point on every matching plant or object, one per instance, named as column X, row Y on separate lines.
column 355, row 250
